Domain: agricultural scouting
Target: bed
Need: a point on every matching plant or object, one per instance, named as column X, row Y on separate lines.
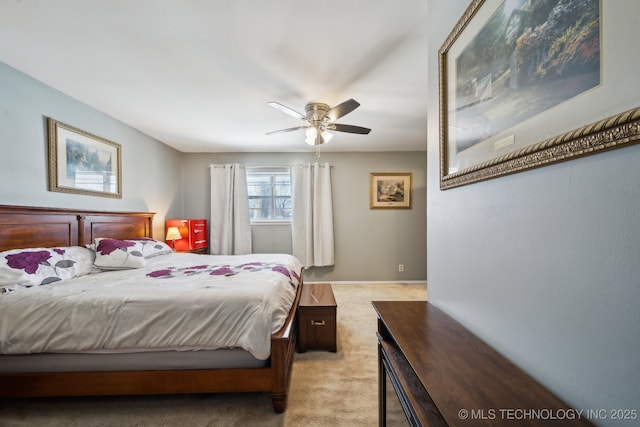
column 196, row 368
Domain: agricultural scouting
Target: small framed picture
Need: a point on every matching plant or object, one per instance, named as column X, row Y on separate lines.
column 82, row 163
column 390, row 191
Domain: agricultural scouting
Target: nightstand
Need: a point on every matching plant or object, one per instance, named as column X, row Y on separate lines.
column 193, row 233
column 317, row 318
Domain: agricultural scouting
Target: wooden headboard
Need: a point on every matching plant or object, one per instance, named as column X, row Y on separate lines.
column 31, row 227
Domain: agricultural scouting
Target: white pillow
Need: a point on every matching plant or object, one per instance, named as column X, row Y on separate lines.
column 23, row 268
column 151, row 247
column 112, row 254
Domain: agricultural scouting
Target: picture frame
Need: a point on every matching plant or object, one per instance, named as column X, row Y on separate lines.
column 481, row 140
column 390, row 191
column 83, row 163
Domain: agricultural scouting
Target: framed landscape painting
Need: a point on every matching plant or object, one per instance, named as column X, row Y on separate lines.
column 390, row 191
column 503, row 70
column 82, row 163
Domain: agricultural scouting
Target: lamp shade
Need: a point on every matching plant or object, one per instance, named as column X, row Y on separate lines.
column 173, row 234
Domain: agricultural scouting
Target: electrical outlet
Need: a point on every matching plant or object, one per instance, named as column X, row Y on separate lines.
column 401, row 267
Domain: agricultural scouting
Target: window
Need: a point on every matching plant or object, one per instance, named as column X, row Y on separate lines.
column 269, row 192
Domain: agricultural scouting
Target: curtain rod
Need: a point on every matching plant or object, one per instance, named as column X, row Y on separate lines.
column 281, row 167
column 270, row 167
column 305, row 165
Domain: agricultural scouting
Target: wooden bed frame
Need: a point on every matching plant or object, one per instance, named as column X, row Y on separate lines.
column 24, row 227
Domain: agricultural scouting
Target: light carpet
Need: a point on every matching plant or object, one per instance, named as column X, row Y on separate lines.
column 327, row 389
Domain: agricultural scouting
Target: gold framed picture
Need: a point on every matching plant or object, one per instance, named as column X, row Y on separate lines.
column 82, row 163
column 509, row 84
column 390, row 191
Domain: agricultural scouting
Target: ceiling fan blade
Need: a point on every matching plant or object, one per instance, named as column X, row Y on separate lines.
column 286, row 130
column 287, row 110
column 349, row 128
column 342, row 109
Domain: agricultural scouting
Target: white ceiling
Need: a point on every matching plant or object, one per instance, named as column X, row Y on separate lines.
column 197, row 74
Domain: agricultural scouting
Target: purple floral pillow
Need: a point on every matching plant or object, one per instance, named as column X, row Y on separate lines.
column 152, row 248
column 112, row 254
column 23, row 268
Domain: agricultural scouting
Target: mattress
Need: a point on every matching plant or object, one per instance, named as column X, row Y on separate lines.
column 139, row 361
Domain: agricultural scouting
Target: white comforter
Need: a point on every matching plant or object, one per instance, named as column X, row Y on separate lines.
column 178, row 301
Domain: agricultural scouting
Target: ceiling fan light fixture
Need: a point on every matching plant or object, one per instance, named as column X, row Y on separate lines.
column 326, row 136
column 311, row 133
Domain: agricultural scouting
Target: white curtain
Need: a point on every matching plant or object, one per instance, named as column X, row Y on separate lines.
column 312, row 214
column 230, row 225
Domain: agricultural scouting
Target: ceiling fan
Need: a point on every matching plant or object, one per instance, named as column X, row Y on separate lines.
column 320, row 118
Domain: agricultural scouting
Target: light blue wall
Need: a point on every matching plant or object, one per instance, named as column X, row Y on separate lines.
column 151, row 174
column 545, row 264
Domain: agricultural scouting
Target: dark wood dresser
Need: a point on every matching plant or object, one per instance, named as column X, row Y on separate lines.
column 444, row 375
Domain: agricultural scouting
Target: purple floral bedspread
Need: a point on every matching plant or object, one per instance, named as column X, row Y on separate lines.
column 184, row 301
column 225, row 270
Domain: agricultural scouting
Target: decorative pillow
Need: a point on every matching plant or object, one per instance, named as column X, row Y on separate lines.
column 152, row 248
column 112, row 254
column 23, row 268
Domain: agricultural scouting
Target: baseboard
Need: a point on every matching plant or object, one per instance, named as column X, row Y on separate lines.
column 371, row 282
